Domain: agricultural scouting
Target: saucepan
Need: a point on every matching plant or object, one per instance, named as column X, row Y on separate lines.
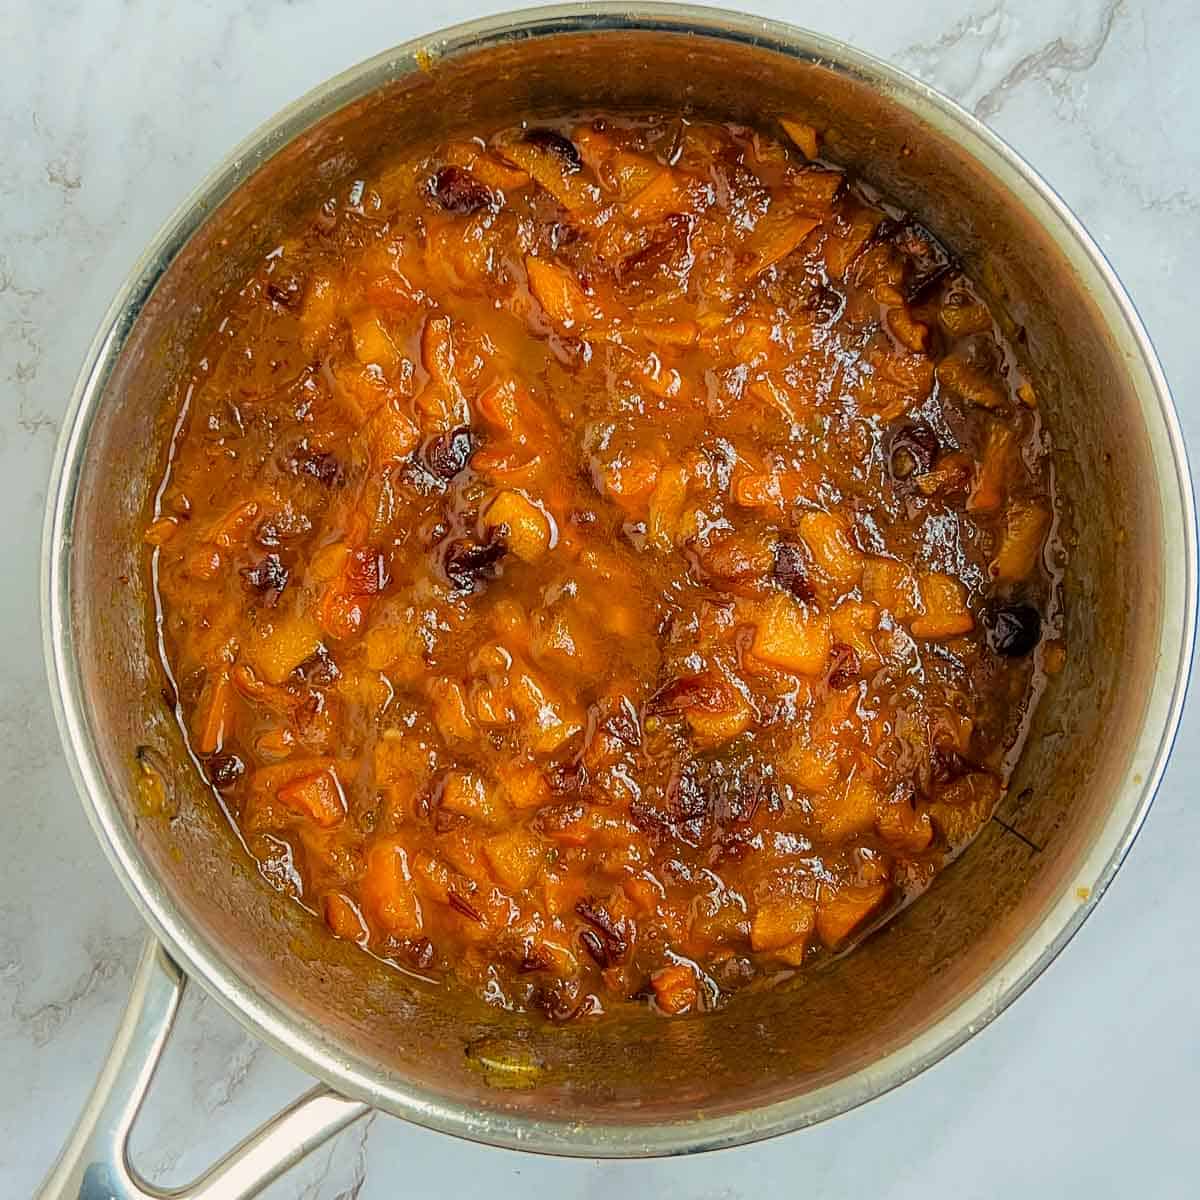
column 637, row 1084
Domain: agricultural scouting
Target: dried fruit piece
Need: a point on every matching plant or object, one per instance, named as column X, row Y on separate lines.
column 458, row 191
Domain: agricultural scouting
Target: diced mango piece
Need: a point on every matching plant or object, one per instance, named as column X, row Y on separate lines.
column 711, row 728
column 905, row 829
column 523, row 784
column 491, row 705
column 812, row 768
column 550, row 719
column 990, row 483
column 397, row 649
column 558, row 292
column 908, row 331
column 318, row 796
column 1025, row 526
column 970, row 383
column 488, row 169
column 946, row 613
column 666, row 507
column 319, row 311
column 372, row 342
column 777, row 234
column 840, row 912
column 951, row 475
column 892, row 586
column 792, row 636
column 805, row 137
column 629, row 478
column 847, row 239
column 852, row 623
column 529, row 533
column 570, row 189
column 343, row 918
column 285, row 644
column 390, row 433
column 663, row 195
column 675, row 334
column 387, row 889
column 399, row 757
column 450, row 712
column 514, row 857
column 675, row 989
column 468, row 794
column 848, row 812
column 782, row 925
column 828, row 537
column 961, row 316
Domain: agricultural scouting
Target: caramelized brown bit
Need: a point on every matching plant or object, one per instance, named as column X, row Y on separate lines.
column 791, row 570
column 268, row 576
column 458, row 191
column 557, row 144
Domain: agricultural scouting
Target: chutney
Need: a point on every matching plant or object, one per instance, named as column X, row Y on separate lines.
column 607, row 561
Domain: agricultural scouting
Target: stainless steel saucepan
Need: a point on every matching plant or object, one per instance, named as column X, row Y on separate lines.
column 637, row 1085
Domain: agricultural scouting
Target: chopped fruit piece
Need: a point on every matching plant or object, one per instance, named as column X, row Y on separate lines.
column 343, row 918
column 675, row 989
column 783, row 925
column 828, row 538
column 467, row 794
column 946, row 613
column 848, row 813
column 803, row 134
column 1025, row 526
column 525, row 529
column 318, row 796
column 514, row 857
column 793, row 636
column 387, row 889
column 843, row 911
column 558, row 292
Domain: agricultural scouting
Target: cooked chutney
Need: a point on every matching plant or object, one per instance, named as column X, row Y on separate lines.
column 606, row 562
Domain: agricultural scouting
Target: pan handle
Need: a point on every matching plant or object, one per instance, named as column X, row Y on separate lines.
column 94, row 1164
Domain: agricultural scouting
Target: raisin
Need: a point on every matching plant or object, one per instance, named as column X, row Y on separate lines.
column 791, row 570
column 846, row 666
column 317, row 464
column 224, row 770
column 268, row 576
column 667, row 253
column 557, row 144
column 319, row 668
column 458, row 191
column 448, row 453
column 366, row 572
column 613, row 934
column 469, row 563
column 594, row 945
column 1014, row 629
column 926, row 261
column 914, row 450
column 947, row 765
column 706, row 692
column 284, row 290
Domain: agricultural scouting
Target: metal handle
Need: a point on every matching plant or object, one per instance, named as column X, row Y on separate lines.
column 94, row 1164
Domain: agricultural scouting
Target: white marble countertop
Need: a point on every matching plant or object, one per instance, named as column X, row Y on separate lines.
column 111, row 112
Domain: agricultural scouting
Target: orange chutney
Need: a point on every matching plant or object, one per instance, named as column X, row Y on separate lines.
column 608, row 561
